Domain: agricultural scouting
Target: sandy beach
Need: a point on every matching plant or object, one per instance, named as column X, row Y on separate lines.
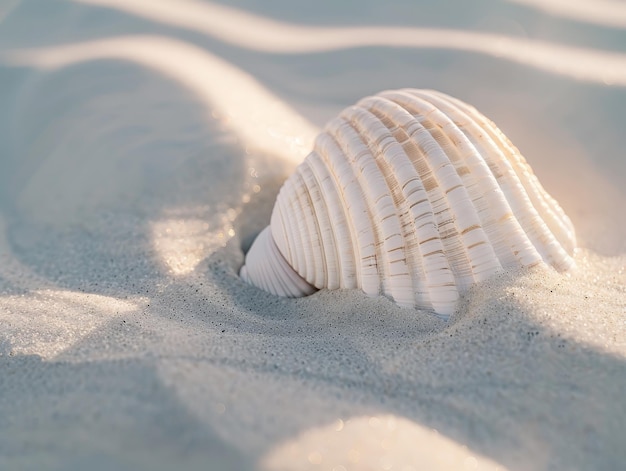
column 142, row 145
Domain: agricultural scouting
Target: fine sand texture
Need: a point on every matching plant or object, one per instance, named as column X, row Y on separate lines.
column 142, row 144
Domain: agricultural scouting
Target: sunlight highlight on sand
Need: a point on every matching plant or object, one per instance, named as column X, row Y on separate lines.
column 602, row 12
column 183, row 242
column 260, row 119
column 66, row 317
column 257, row 33
column 385, row 442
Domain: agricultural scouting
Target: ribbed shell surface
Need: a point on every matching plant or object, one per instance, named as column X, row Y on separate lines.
column 415, row 195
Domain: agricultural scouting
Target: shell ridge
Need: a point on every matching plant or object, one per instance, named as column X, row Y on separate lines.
column 469, row 224
column 320, row 220
column 407, row 197
column 498, row 221
column 559, row 223
column 549, row 210
column 312, row 236
column 364, row 169
column 517, row 182
column 283, row 222
column 403, row 288
column 437, row 271
column 363, row 235
column 453, row 211
column 504, row 233
column 280, row 229
column 414, row 195
column 302, row 221
column 339, row 223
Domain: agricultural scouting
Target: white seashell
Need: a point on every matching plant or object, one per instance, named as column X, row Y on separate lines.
column 413, row 195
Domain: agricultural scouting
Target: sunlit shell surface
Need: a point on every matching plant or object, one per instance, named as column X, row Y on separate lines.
column 413, row 195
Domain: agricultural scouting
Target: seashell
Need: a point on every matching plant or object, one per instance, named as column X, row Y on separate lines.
column 410, row 194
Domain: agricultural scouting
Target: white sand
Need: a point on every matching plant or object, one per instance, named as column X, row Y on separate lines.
column 141, row 149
